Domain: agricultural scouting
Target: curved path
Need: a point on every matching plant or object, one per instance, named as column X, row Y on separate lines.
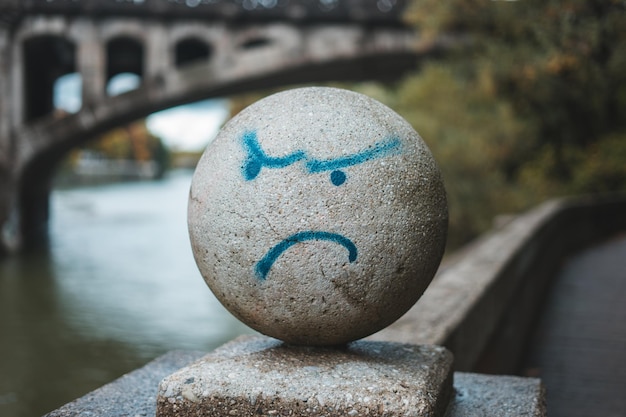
column 579, row 349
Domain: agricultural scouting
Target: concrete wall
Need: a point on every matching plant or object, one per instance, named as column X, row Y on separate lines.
column 483, row 304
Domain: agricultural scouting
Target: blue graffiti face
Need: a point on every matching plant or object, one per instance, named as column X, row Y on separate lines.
column 257, row 159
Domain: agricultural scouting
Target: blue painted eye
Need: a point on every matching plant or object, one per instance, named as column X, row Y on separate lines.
column 337, row 177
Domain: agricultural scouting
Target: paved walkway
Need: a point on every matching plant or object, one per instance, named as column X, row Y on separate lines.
column 580, row 347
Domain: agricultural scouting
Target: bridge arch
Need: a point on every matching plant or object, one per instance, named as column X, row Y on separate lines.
column 124, row 54
column 211, row 34
column 256, row 41
column 33, row 84
column 127, row 28
column 59, row 53
column 280, row 36
column 191, row 49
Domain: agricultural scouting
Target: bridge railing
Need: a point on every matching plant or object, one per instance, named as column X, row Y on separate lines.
column 380, row 11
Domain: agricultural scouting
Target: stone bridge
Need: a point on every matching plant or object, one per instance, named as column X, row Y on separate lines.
column 183, row 51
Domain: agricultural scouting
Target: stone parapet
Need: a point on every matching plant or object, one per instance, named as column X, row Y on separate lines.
column 135, row 394
column 483, row 302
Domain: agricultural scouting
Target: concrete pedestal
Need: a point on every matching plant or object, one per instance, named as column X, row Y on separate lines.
column 135, row 394
column 263, row 376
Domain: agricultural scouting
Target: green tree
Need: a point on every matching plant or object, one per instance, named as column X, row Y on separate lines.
column 471, row 133
column 531, row 104
column 560, row 63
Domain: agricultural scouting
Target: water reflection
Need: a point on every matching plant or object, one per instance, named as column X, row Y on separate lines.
column 117, row 287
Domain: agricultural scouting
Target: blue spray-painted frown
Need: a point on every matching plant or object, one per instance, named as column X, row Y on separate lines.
column 257, row 158
column 265, row 264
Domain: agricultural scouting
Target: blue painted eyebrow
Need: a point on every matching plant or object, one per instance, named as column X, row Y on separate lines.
column 257, row 158
column 378, row 150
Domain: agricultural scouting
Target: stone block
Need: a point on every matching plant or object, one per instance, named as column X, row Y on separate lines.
column 496, row 395
column 265, row 377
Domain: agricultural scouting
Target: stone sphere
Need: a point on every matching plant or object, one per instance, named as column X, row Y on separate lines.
column 317, row 216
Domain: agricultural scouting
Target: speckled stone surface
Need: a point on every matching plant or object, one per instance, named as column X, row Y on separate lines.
column 318, row 216
column 474, row 395
column 479, row 395
column 263, row 376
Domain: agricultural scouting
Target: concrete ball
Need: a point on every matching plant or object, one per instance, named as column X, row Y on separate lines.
column 317, row 216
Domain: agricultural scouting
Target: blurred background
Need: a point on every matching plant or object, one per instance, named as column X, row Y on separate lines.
column 519, row 101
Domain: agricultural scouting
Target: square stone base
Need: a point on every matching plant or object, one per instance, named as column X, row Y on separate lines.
column 261, row 376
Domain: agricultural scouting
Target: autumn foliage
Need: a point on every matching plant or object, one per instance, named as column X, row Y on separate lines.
column 531, row 105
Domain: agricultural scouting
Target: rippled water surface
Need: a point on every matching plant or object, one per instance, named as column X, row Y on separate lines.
column 117, row 287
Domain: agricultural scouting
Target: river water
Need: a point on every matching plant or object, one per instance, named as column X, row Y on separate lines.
column 117, row 287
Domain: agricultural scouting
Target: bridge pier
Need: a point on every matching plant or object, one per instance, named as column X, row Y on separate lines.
column 24, row 208
column 8, row 215
column 91, row 62
column 34, row 191
column 10, row 240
